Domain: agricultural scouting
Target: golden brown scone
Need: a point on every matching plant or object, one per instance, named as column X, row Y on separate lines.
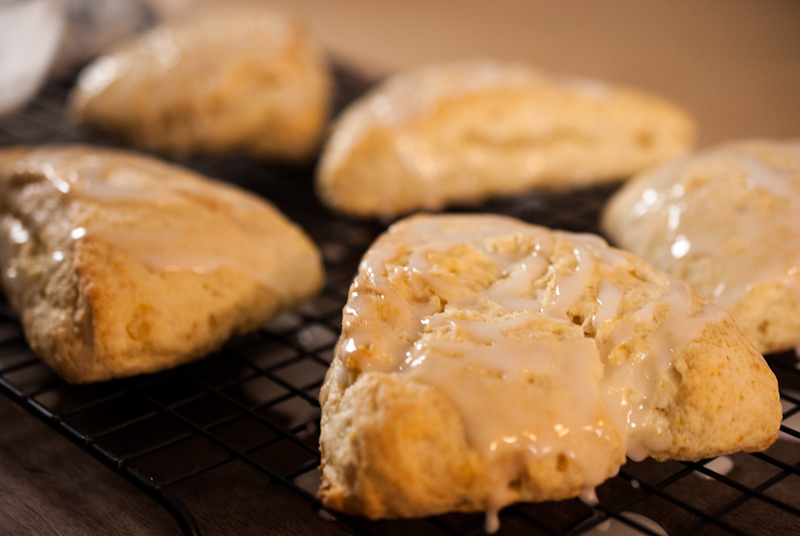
column 727, row 221
column 464, row 132
column 245, row 80
column 120, row 264
column 485, row 361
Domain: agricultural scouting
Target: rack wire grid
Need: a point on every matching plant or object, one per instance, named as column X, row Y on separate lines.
column 255, row 402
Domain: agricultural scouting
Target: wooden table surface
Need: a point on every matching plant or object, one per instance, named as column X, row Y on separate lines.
column 48, row 487
column 735, row 64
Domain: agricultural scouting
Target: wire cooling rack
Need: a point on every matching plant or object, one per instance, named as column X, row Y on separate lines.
column 254, row 404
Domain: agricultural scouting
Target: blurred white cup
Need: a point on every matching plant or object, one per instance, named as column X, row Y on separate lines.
column 30, row 31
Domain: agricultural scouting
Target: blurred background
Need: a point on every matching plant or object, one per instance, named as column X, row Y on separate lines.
column 734, row 64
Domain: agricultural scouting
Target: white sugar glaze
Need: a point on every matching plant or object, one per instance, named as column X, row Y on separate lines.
column 174, row 242
column 614, row 527
column 499, row 315
column 733, row 211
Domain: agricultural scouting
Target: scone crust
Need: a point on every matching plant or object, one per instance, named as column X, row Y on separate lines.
column 96, row 304
column 464, row 132
column 732, row 210
column 238, row 80
column 395, row 446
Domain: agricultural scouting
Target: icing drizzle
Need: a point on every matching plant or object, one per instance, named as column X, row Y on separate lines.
column 532, row 333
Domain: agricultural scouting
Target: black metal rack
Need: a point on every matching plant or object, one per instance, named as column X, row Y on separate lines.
column 255, row 402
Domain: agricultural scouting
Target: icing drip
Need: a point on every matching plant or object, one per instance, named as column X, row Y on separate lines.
column 589, row 497
column 722, row 466
column 614, row 527
column 492, row 523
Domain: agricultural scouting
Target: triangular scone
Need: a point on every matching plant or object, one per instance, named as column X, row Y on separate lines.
column 726, row 221
column 120, row 264
column 244, row 80
column 467, row 131
column 485, row 361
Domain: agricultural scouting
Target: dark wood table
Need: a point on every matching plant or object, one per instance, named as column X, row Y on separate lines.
column 48, row 486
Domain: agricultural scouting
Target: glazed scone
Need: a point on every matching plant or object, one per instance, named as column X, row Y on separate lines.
column 727, row 221
column 464, row 132
column 485, row 361
column 120, row 264
column 244, row 80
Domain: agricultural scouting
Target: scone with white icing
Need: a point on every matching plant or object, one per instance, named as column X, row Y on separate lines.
column 120, row 264
column 244, row 80
column 464, row 132
column 727, row 221
column 485, row 361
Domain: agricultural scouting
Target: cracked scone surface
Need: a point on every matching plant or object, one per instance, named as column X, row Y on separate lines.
column 238, row 80
column 726, row 221
column 120, row 264
column 464, row 132
column 485, row 361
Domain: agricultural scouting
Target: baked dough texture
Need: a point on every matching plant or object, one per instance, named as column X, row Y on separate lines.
column 120, row 264
column 464, row 132
column 238, row 80
column 485, row 361
column 727, row 221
